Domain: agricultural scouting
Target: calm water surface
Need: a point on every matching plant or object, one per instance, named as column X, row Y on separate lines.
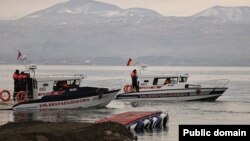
column 233, row 107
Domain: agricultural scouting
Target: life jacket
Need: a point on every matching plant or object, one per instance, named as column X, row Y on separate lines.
column 133, row 74
column 22, row 77
column 15, row 76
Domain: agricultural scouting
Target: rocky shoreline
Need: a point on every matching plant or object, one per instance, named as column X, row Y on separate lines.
column 64, row 131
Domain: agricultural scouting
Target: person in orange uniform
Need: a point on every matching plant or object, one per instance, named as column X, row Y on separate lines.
column 134, row 78
column 168, row 81
column 15, row 78
column 22, row 80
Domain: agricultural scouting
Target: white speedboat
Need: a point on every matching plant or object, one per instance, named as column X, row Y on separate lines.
column 153, row 87
column 47, row 92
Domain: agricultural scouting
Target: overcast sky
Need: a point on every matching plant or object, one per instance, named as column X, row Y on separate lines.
column 12, row 9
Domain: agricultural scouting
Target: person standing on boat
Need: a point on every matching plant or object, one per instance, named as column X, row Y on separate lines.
column 22, row 80
column 134, row 78
column 16, row 86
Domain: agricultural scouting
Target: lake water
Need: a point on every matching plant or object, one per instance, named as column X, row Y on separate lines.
column 233, row 107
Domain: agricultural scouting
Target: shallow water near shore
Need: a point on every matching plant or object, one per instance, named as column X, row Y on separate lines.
column 231, row 108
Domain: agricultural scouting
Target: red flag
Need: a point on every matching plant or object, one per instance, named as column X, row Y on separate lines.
column 18, row 55
column 130, row 62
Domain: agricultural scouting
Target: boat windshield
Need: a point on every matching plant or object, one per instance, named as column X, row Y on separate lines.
column 65, row 84
column 183, row 79
column 165, row 80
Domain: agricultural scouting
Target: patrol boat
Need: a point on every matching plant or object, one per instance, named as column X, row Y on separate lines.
column 57, row 92
column 154, row 87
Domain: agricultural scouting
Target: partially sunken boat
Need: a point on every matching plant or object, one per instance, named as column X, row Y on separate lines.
column 139, row 120
column 57, row 92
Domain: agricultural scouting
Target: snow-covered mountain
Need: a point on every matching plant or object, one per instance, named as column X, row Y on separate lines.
column 91, row 32
column 226, row 14
column 90, row 12
column 91, row 8
column 76, row 8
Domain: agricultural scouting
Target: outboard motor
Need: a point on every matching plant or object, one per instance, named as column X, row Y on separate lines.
column 164, row 118
column 154, row 122
column 158, row 122
column 132, row 127
column 147, row 123
column 139, row 126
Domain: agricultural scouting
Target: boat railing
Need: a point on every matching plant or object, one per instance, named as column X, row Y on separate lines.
column 215, row 83
column 107, row 83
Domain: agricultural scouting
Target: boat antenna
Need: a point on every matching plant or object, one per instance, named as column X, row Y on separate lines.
column 32, row 68
column 143, row 67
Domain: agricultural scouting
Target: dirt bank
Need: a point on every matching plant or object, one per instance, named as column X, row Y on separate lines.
column 64, row 131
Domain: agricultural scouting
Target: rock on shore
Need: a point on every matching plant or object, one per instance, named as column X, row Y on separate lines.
column 64, row 131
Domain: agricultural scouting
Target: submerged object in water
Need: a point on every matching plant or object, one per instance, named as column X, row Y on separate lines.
column 138, row 120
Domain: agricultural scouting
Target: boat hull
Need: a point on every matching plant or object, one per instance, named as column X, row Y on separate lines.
column 187, row 94
column 93, row 100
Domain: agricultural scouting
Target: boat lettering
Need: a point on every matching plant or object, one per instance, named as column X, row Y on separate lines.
column 43, row 94
column 150, row 87
column 163, row 95
column 51, row 93
column 54, row 104
column 42, row 89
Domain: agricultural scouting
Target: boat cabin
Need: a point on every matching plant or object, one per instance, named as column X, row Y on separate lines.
column 55, row 85
column 37, row 86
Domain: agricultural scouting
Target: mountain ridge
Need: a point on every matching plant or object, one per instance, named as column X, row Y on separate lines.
column 101, row 38
column 240, row 14
column 89, row 7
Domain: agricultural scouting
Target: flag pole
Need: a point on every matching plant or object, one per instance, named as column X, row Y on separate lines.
column 21, row 58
